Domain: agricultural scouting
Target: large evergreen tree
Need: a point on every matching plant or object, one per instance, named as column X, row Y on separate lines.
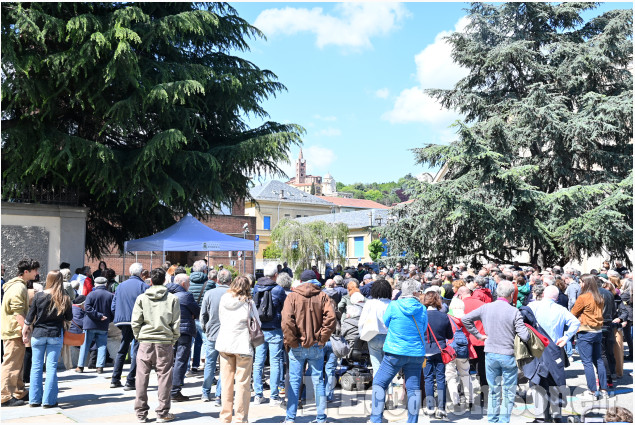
column 138, row 108
column 543, row 161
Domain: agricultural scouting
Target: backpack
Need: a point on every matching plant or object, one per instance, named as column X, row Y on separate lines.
column 264, row 304
column 459, row 343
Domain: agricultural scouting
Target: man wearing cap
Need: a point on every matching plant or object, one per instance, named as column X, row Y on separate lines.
column 367, row 285
column 96, row 320
column 308, row 320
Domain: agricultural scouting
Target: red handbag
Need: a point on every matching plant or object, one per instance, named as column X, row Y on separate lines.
column 447, row 354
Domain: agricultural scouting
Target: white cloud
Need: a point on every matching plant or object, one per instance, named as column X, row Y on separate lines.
column 327, row 118
column 435, row 69
column 318, row 159
column 330, row 132
column 354, row 25
column 382, row 93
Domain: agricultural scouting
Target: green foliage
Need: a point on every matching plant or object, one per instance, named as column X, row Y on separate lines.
column 303, row 244
column 543, row 162
column 272, row 252
column 312, row 188
column 232, row 270
column 139, row 108
column 375, row 249
column 385, row 193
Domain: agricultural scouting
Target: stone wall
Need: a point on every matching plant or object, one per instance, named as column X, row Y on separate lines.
column 47, row 233
column 19, row 242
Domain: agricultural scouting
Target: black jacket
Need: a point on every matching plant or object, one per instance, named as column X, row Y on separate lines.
column 189, row 308
column 608, row 311
column 47, row 322
column 98, row 304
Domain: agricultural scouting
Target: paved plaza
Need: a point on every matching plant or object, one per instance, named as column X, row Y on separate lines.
column 88, row 398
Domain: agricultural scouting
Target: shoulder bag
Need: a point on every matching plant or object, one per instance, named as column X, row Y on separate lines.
column 421, row 338
column 447, row 354
column 256, row 336
column 73, row 339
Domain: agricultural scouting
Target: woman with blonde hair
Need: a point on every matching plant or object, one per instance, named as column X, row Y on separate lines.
column 236, row 351
column 44, row 328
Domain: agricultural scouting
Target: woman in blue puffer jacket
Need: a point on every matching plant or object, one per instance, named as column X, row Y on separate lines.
column 406, row 320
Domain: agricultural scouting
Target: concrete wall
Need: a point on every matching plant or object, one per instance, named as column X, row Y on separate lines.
column 48, row 233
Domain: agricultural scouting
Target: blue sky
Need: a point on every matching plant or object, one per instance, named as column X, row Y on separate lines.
column 355, row 74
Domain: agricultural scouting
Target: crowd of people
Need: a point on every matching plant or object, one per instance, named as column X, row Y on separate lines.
column 432, row 328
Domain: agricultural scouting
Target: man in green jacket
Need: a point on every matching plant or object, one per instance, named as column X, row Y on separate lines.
column 155, row 322
column 15, row 304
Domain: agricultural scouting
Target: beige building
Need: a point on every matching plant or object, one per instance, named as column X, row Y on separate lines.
column 360, row 225
column 276, row 201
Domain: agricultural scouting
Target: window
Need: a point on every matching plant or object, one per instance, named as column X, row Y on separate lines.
column 267, row 222
column 359, row 246
column 298, row 216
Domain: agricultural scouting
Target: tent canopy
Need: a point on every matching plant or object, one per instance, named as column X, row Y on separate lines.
column 189, row 234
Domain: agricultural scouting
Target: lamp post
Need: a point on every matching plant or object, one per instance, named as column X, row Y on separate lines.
column 245, row 231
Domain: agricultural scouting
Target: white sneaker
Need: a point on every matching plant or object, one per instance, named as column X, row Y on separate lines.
column 588, row 396
column 275, row 401
column 429, row 412
column 259, row 400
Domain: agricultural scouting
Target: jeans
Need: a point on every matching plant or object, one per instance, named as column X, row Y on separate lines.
column 198, row 344
column 127, row 338
column 182, row 350
column 101, row 338
column 389, row 367
column 315, row 357
column 273, row 344
column 330, row 364
column 376, row 349
column 434, row 370
column 44, row 349
column 502, row 376
column 589, row 347
column 211, row 356
column 608, row 356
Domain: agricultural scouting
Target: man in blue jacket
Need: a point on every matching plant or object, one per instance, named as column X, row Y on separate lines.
column 122, row 305
column 98, row 317
column 267, row 291
column 183, row 347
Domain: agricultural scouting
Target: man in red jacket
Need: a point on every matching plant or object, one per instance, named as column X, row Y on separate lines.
column 481, row 292
column 472, row 303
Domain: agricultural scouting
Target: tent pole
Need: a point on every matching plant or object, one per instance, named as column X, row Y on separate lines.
column 150, row 260
column 209, row 266
column 253, row 258
column 123, row 272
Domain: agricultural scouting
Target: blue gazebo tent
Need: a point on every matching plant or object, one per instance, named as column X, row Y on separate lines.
column 188, row 234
